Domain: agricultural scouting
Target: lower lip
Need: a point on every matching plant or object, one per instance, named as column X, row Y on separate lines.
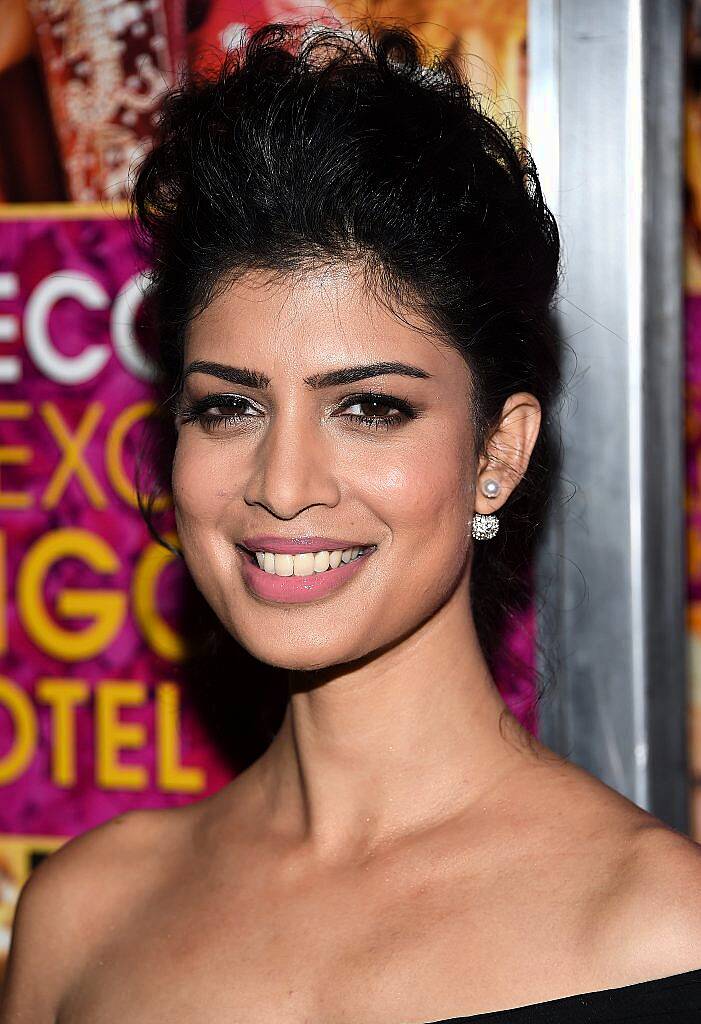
column 297, row 589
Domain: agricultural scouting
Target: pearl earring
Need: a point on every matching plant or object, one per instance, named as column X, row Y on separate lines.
column 490, row 488
column 485, row 527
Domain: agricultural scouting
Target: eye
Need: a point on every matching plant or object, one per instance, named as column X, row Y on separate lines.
column 220, row 411
column 200, row 411
column 384, row 410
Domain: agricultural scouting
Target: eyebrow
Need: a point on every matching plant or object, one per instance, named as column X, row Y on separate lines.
column 347, row 375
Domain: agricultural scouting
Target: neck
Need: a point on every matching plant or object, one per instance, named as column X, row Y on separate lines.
column 391, row 744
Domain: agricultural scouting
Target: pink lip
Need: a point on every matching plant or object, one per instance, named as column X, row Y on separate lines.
column 297, row 545
column 297, row 589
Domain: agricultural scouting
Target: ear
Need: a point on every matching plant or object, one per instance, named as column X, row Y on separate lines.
column 508, row 450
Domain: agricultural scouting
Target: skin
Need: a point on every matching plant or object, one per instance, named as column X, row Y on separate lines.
column 404, row 851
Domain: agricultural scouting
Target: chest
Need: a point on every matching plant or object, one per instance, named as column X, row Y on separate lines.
column 336, row 955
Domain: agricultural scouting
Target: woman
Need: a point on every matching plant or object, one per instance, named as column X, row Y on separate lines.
column 353, row 269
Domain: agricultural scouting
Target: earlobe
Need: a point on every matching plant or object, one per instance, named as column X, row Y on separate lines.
column 491, row 488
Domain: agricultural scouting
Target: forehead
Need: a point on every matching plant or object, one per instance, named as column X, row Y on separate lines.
column 309, row 322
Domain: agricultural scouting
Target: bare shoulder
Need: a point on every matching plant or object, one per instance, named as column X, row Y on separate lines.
column 69, row 901
column 639, row 879
column 648, row 902
column 655, row 914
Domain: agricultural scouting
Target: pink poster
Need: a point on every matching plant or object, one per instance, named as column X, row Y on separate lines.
column 93, row 719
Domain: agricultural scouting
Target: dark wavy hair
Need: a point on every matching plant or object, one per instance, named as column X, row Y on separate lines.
column 316, row 145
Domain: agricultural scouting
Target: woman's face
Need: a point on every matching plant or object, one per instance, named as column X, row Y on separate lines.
column 295, row 461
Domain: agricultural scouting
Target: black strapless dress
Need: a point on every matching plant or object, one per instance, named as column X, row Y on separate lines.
column 675, row 999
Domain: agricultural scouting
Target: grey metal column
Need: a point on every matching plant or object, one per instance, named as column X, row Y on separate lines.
column 605, row 129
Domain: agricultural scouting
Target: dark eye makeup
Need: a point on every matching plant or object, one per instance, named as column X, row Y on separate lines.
column 400, row 410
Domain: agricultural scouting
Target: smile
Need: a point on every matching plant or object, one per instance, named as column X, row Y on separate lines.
column 299, row 578
column 306, row 564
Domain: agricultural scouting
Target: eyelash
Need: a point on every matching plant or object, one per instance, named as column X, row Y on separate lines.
column 196, row 411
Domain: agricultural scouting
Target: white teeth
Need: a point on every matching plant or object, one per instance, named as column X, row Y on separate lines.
column 284, row 565
column 305, row 564
column 321, row 561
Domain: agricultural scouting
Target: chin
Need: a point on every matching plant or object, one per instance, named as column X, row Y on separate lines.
column 310, row 659
column 298, row 664
column 310, row 653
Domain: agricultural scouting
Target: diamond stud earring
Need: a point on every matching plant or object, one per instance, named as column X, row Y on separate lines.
column 484, row 527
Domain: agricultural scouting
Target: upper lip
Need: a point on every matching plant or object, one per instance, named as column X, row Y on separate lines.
column 297, row 545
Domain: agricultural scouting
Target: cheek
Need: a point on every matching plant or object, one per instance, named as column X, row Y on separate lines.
column 199, row 483
column 425, row 499
column 202, row 493
column 202, row 499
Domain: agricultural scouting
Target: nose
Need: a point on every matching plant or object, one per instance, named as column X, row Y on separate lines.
column 293, row 467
